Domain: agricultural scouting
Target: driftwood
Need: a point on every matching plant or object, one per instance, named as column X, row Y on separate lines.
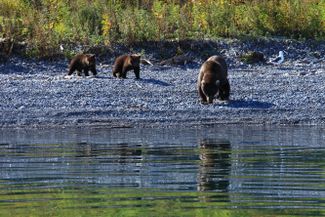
column 145, row 62
column 178, row 60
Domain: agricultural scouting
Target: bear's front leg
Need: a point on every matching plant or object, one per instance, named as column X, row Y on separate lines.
column 202, row 96
column 93, row 70
column 137, row 72
column 86, row 71
column 224, row 90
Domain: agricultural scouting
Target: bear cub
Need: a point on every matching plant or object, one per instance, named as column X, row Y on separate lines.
column 213, row 80
column 125, row 63
column 83, row 63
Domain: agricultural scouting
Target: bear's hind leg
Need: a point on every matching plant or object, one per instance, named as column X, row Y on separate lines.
column 224, row 90
column 71, row 70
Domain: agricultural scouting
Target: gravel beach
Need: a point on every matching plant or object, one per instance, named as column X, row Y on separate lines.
column 36, row 93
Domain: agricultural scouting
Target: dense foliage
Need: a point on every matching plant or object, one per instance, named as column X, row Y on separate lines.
column 44, row 24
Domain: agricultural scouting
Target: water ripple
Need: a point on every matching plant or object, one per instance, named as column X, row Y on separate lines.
column 233, row 170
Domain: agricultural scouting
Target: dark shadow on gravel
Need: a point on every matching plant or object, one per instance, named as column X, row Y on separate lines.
column 83, row 113
column 155, row 81
column 25, row 67
column 250, row 104
column 103, row 76
column 284, row 68
column 13, row 69
column 160, row 68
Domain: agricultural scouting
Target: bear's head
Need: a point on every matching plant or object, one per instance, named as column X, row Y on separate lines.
column 209, row 86
column 135, row 60
column 91, row 59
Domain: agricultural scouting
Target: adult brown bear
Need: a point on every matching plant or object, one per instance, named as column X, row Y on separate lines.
column 83, row 63
column 213, row 79
column 125, row 63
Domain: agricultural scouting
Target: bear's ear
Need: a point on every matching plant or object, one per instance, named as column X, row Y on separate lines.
column 91, row 57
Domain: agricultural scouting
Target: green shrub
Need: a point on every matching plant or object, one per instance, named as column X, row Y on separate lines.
column 45, row 24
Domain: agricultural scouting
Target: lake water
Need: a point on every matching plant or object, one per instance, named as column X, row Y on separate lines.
column 209, row 171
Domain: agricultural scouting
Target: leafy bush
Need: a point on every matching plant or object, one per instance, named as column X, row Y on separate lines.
column 45, row 24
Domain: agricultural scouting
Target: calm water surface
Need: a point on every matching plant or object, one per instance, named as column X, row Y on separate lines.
column 209, row 171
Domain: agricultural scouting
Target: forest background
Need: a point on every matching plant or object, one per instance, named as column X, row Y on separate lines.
column 43, row 25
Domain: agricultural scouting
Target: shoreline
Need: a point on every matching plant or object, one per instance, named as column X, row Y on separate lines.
column 34, row 93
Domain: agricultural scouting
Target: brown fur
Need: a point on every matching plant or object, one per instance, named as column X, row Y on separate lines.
column 125, row 63
column 213, row 79
column 83, row 63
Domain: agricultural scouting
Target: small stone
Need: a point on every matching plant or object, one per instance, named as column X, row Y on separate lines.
column 302, row 73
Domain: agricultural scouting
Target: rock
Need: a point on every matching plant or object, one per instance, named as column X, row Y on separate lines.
column 252, row 57
column 302, row 73
column 316, row 54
